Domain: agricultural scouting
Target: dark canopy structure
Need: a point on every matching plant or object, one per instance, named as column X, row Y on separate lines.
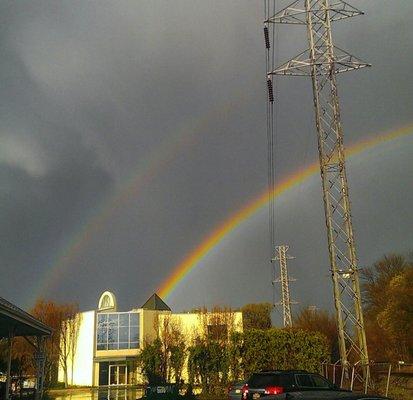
column 16, row 322
column 20, row 323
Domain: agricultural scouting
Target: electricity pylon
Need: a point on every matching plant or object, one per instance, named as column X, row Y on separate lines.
column 282, row 256
column 322, row 61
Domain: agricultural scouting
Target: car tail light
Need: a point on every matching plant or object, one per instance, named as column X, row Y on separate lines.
column 244, row 391
column 274, row 390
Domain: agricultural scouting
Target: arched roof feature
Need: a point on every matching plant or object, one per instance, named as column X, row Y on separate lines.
column 107, row 302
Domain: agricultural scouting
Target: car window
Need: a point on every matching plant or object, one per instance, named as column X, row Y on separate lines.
column 261, row 381
column 304, row 380
column 320, row 382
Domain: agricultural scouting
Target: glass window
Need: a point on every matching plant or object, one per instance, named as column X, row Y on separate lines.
column 304, row 380
column 134, row 319
column 113, row 346
column 320, row 382
column 117, row 331
column 102, row 335
column 102, row 318
column 264, row 380
column 134, row 334
column 113, row 319
column 123, row 319
column 113, row 333
column 102, row 346
column 124, row 334
column 106, row 302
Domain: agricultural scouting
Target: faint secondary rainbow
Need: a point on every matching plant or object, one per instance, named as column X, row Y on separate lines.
column 144, row 172
column 215, row 237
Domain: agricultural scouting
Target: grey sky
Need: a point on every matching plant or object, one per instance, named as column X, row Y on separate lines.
column 94, row 93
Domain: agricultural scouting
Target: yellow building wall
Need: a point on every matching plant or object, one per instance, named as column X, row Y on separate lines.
column 150, row 323
column 192, row 325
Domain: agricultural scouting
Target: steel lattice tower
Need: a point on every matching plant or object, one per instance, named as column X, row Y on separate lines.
column 322, row 61
column 282, row 256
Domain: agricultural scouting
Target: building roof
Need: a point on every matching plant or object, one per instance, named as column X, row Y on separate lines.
column 14, row 319
column 155, row 303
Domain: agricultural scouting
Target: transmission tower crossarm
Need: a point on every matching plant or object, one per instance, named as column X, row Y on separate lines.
column 302, row 64
column 296, row 12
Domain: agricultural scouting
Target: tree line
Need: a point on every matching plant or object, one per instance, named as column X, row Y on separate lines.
column 387, row 293
column 219, row 353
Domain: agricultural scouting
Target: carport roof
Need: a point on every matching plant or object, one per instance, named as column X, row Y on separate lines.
column 13, row 318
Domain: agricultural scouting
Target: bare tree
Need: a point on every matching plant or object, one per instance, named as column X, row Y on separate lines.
column 74, row 330
column 52, row 314
column 69, row 331
column 169, row 330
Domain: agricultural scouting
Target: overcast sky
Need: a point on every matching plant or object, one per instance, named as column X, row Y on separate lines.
column 130, row 129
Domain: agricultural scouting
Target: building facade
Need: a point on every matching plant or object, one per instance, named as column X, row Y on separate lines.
column 109, row 341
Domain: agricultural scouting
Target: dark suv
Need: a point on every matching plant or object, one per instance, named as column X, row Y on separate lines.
column 266, row 383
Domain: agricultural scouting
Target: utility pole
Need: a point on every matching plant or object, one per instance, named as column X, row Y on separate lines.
column 322, row 61
column 282, row 257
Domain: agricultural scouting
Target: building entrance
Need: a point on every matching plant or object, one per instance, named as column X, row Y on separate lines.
column 118, row 374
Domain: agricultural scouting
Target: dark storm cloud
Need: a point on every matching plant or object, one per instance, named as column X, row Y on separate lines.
column 90, row 90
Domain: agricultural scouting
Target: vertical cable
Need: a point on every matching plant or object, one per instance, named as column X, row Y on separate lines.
column 269, row 36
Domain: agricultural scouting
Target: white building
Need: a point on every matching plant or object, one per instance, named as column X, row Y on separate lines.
column 109, row 341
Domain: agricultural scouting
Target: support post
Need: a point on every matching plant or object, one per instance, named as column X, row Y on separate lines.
column 10, row 348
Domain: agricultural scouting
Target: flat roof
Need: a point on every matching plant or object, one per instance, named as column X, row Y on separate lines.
column 20, row 322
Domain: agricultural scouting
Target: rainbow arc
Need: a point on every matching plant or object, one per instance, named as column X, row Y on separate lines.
column 214, row 238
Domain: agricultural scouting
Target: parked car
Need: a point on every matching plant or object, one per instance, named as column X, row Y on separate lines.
column 167, row 391
column 324, row 395
column 235, row 390
column 267, row 383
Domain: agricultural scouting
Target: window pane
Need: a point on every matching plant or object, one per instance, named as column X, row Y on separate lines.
column 134, row 345
column 102, row 318
column 134, row 334
column 134, row 319
column 113, row 346
column 320, row 382
column 123, row 345
column 113, row 318
column 112, row 334
column 123, row 334
column 102, row 335
column 123, row 319
column 264, row 380
column 304, row 380
column 102, row 346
